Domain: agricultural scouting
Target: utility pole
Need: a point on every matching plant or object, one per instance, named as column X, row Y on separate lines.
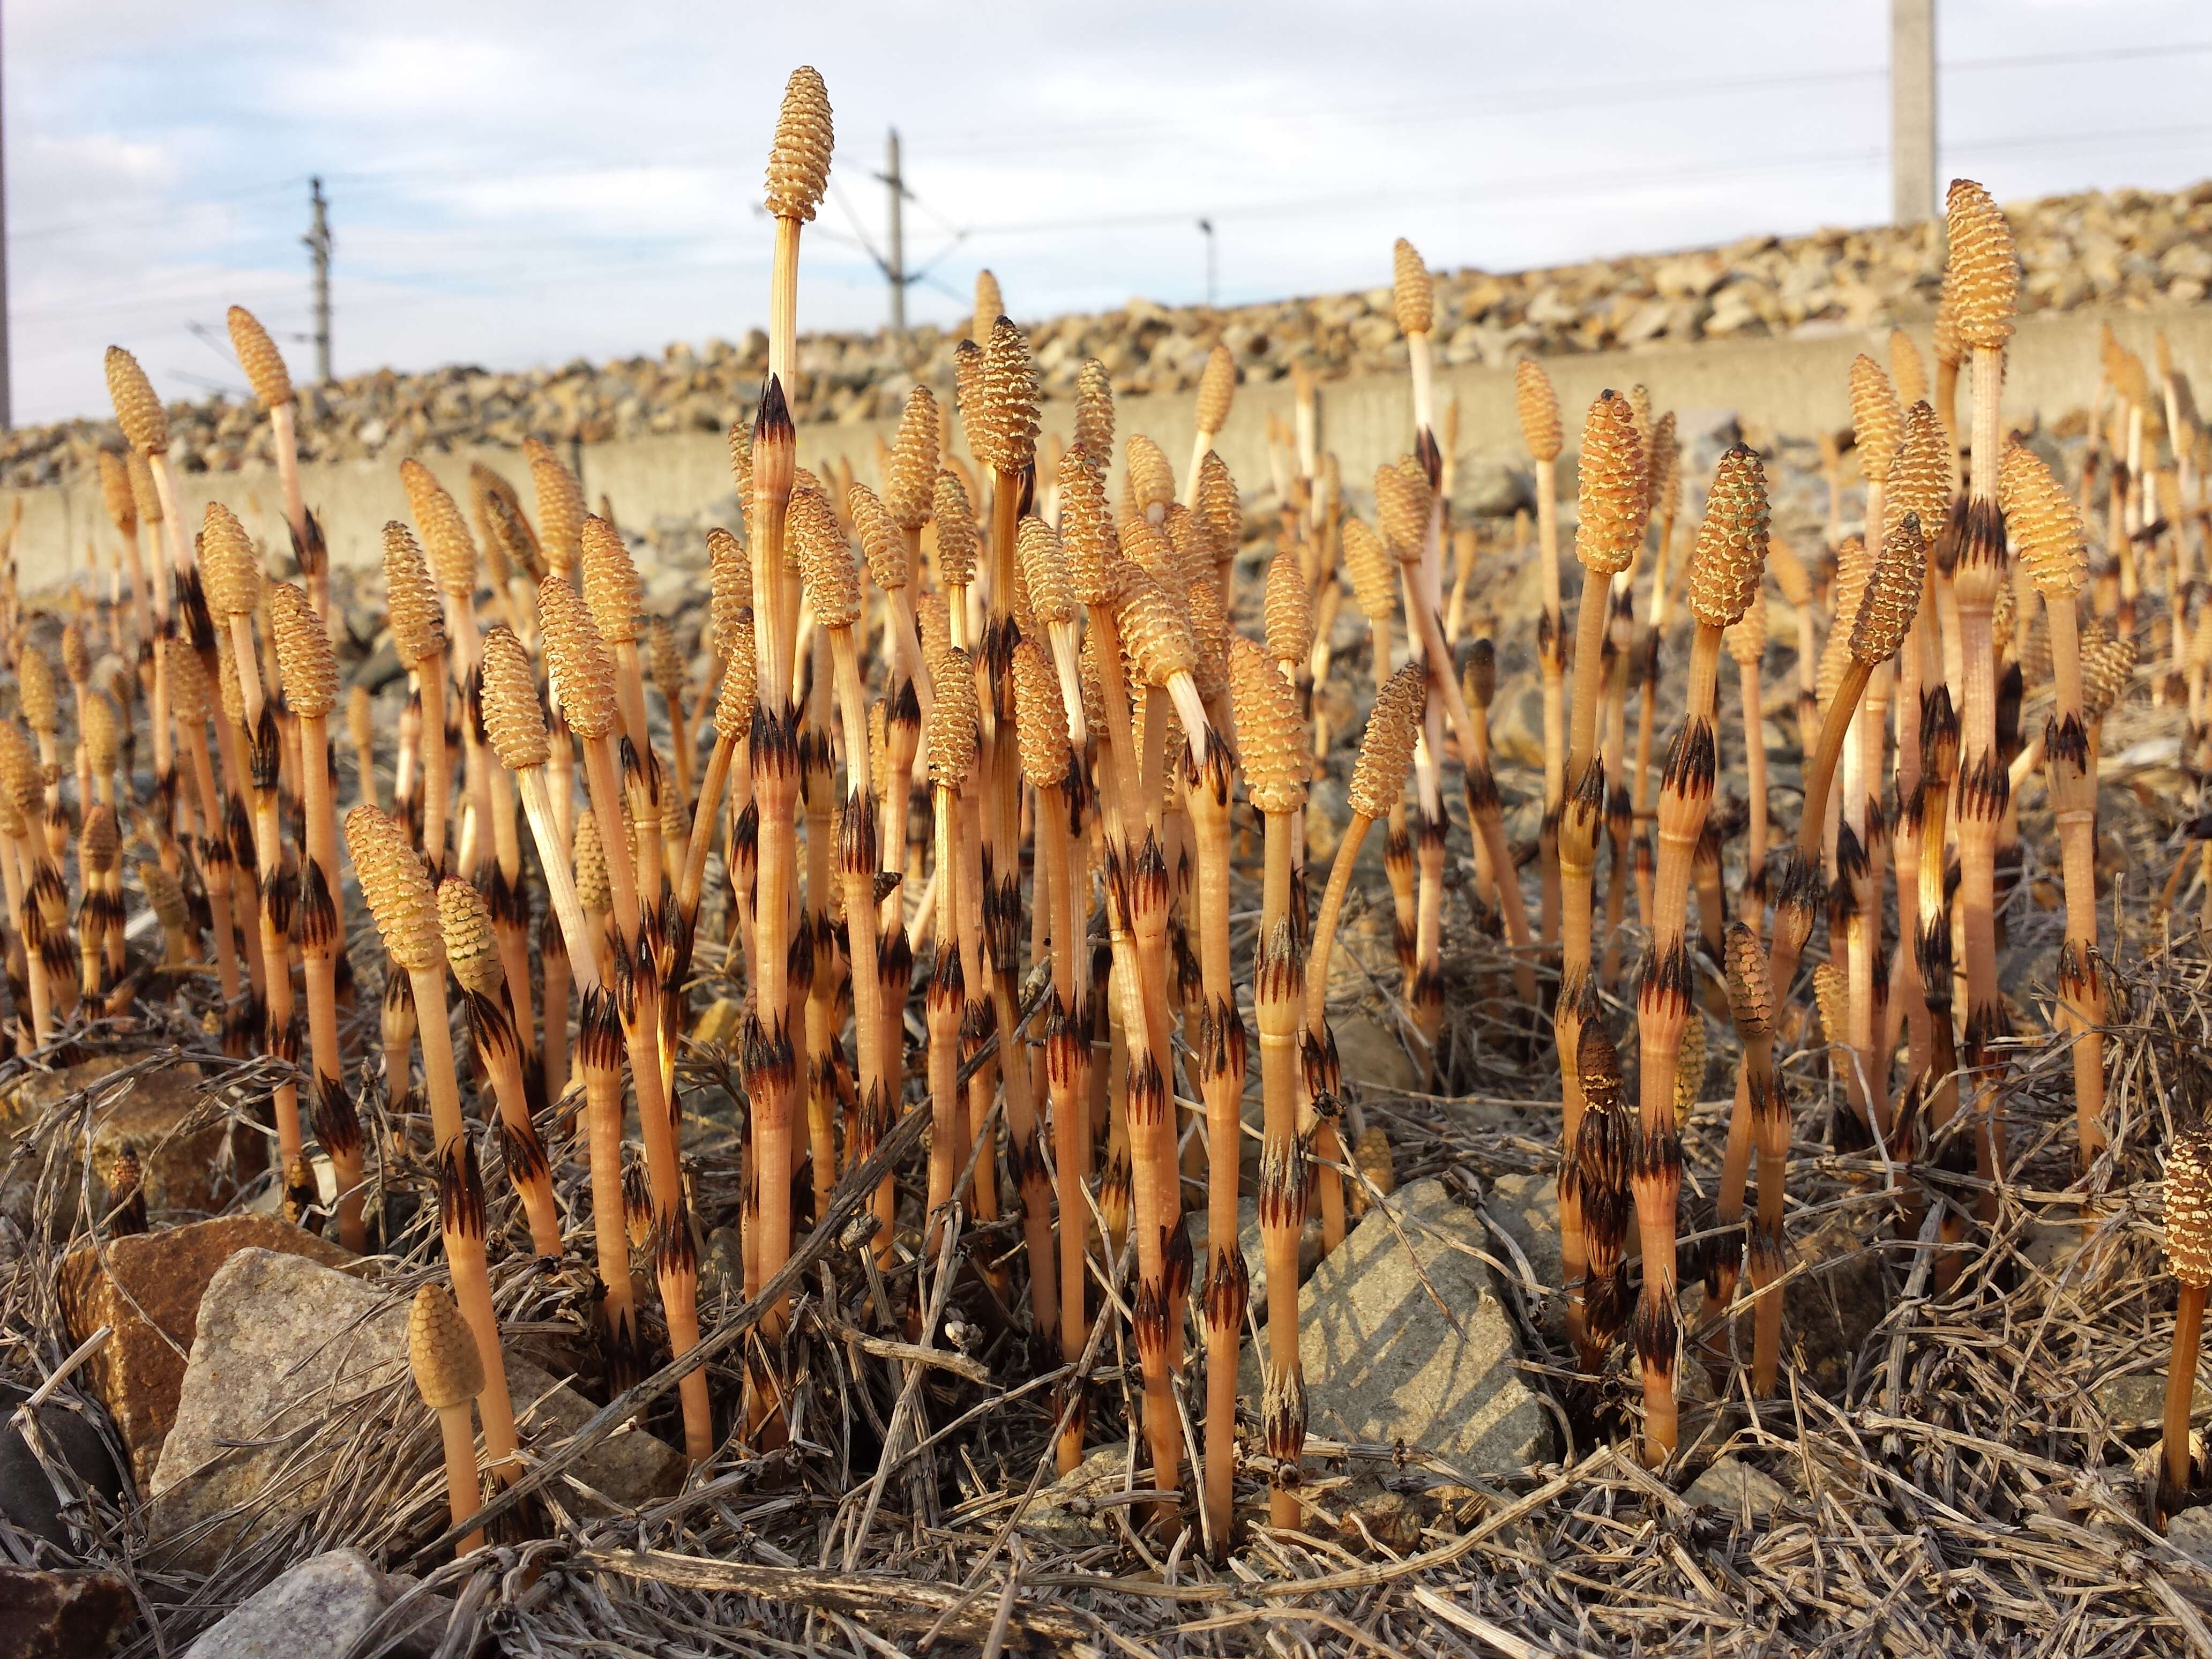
column 6, row 397
column 1912, row 110
column 318, row 240
column 895, row 266
column 1205, row 227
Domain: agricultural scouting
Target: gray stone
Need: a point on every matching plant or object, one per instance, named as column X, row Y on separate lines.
column 336, row 1596
column 1066, row 1513
column 1370, row 1053
column 283, row 1343
column 2137, row 1401
column 2190, row 1532
column 1735, row 1488
column 1516, row 721
column 1382, row 1364
column 1527, row 1207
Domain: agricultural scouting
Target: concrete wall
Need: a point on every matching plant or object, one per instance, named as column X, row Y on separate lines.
column 1789, row 385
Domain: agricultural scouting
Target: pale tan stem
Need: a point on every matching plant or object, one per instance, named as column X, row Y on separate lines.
column 463, row 1488
column 464, row 1256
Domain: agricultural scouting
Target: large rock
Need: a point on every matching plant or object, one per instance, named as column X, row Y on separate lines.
column 148, row 1287
column 29, row 1501
column 1527, row 1208
column 284, row 1344
column 1371, row 1055
column 1382, row 1364
column 338, row 1596
column 193, row 1157
column 61, row 1615
column 1737, row 1490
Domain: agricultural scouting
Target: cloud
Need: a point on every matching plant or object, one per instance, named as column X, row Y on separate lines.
column 514, row 182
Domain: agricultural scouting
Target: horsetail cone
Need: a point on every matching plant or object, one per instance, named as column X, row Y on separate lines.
column 115, row 494
column 611, row 589
column 730, row 585
column 101, row 842
column 881, row 541
column 799, row 159
column 1983, row 264
column 464, row 925
column 912, row 472
column 229, row 571
column 514, row 718
column 2046, row 526
column 1919, row 473
column 304, row 658
column 1277, row 755
column 1891, row 598
column 666, row 661
column 734, row 708
column 560, row 504
column 1219, row 505
column 825, row 560
column 956, row 531
column 1614, row 489
column 76, row 660
column 990, row 302
column 145, row 424
column 1040, row 717
column 1538, row 406
column 934, row 619
column 1689, row 1071
column 1731, row 549
column 1665, row 463
column 2189, row 1209
column 259, row 356
column 188, row 688
column 442, row 1350
column 397, row 887
column 583, row 673
column 410, row 599
column 1386, row 751
column 1367, row 561
column 163, row 894
column 1746, row 639
column 1876, row 422
column 1403, row 503
column 445, row 532
column 1217, row 389
column 1086, row 526
column 952, row 722
column 967, row 385
column 1287, row 610
column 1002, row 427
column 1155, row 629
column 2108, row 667
column 103, row 730
column 143, row 495
column 1044, row 572
column 1413, row 291
column 1094, row 411
column 1751, row 996
column 1151, row 479
column 35, row 692
column 595, row 888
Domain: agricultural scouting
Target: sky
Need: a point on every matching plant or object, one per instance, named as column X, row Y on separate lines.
column 515, row 184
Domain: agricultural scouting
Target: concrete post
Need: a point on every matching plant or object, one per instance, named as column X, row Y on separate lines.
column 1912, row 110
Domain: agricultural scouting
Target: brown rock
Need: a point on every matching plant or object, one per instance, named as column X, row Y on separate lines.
column 149, row 1287
column 61, row 1615
column 285, row 1348
column 192, row 1157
